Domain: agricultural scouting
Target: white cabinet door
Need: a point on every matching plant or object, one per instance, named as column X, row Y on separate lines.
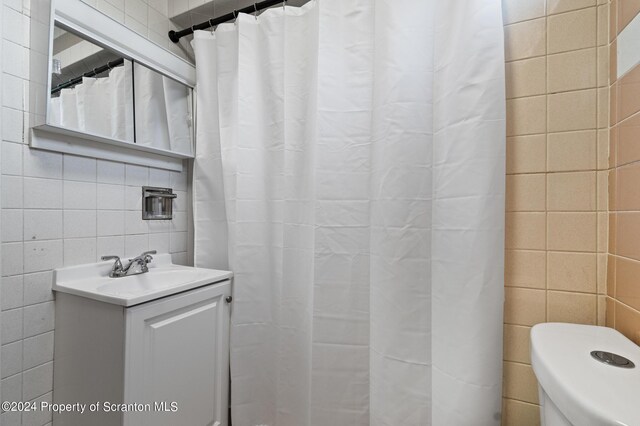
column 177, row 351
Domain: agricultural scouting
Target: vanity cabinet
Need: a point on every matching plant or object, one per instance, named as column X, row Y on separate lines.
column 168, row 356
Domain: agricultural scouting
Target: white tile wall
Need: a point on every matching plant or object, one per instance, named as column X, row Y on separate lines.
column 146, row 17
column 110, row 172
column 38, row 417
column 12, row 390
column 79, row 168
column 42, row 164
column 60, row 210
column 12, row 128
column 110, row 222
column 42, row 255
column 79, row 195
column 37, row 381
column 111, row 245
column 12, row 91
column 110, row 197
column 42, row 224
column 11, row 157
column 79, row 250
column 11, row 192
column 42, row 193
column 135, row 175
column 37, row 287
column 12, row 225
column 79, row 223
column 12, row 293
column 12, row 256
column 38, row 319
column 11, row 359
column 37, row 350
column 11, row 325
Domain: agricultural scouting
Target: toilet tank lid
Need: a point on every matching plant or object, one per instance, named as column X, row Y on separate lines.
column 585, row 390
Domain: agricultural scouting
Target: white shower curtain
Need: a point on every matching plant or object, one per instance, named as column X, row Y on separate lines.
column 163, row 111
column 350, row 171
column 102, row 106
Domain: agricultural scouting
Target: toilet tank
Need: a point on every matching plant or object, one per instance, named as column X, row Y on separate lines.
column 574, row 384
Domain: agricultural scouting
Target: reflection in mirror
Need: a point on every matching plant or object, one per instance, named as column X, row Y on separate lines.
column 91, row 88
column 163, row 110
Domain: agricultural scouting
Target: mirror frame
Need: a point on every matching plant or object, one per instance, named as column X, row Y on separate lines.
column 91, row 24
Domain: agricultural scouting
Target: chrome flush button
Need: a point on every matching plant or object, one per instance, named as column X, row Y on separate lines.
column 612, row 359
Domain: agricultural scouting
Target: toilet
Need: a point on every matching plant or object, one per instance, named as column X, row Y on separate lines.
column 587, row 375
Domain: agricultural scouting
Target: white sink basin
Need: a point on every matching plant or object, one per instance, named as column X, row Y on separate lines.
column 163, row 279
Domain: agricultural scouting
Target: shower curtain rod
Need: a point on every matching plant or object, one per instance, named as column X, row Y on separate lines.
column 91, row 73
column 176, row 35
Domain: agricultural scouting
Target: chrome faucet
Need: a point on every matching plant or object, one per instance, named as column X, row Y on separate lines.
column 137, row 265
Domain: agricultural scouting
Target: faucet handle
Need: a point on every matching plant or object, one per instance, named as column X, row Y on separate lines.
column 146, row 256
column 110, row 257
column 116, row 269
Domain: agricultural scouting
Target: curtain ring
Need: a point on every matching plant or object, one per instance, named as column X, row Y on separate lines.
column 213, row 6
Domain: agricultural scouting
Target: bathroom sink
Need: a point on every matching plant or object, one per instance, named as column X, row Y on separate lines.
column 163, row 279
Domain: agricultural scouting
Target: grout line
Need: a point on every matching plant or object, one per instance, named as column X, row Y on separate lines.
column 546, row 14
column 554, row 251
column 555, row 131
column 40, row 396
column 557, row 172
column 508, row 61
column 624, row 304
column 560, row 212
column 548, row 289
column 546, row 55
column 527, row 364
column 520, row 401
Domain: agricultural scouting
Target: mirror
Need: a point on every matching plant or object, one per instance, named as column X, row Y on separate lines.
column 163, row 111
column 91, row 88
column 108, row 97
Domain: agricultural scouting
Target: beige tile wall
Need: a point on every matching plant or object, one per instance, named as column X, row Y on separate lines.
column 557, row 64
column 623, row 290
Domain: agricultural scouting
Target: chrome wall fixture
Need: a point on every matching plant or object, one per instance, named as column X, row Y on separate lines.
column 157, row 203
